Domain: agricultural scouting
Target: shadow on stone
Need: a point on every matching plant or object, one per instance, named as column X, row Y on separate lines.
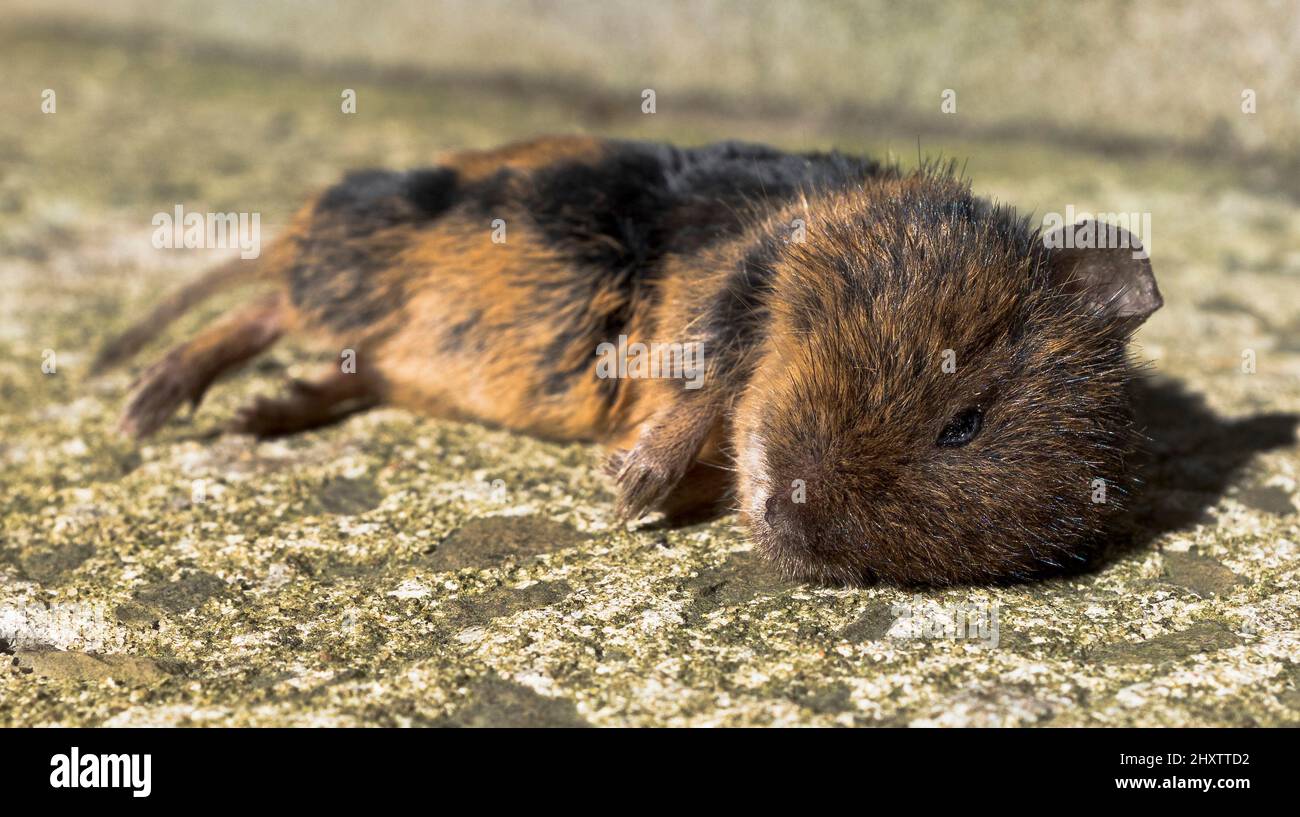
column 476, row 611
column 492, row 540
column 49, row 563
column 342, row 496
column 823, row 699
column 1202, row 575
column 1266, row 498
column 1191, row 459
column 873, row 625
column 495, row 702
column 91, row 668
column 184, row 594
column 741, row 578
column 137, row 615
column 1201, row 637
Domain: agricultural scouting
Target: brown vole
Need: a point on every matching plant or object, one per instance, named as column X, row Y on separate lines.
column 898, row 379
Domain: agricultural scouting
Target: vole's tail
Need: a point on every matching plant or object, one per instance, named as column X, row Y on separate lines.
column 123, row 347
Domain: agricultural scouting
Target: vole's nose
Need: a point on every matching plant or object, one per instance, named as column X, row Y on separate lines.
column 782, row 514
column 772, row 512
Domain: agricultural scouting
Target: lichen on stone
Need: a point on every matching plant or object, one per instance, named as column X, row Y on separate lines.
column 399, row 570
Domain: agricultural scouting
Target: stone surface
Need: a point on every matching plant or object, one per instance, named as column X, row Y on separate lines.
column 396, row 570
column 82, row 668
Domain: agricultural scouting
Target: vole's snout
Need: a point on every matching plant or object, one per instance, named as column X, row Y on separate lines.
column 780, row 491
column 806, row 537
column 785, row 517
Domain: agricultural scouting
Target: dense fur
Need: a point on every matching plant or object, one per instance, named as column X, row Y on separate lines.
column 850, row 397
column 825, row 407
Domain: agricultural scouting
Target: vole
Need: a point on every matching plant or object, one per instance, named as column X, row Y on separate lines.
column 901, row 381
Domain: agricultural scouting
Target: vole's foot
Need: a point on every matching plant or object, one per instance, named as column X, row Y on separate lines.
column 665, row 450
column 643, row 480
column 187, row 370
column 306, row 406
column 156, row 396
column 614, row 462
column 268, row 417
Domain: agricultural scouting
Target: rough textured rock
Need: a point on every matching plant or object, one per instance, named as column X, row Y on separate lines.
column 405, row 571
column 84, row 668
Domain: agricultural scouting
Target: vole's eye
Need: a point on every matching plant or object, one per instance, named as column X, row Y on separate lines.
column 962, row 428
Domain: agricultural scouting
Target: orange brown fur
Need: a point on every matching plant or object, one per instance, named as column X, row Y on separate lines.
column 820, row 357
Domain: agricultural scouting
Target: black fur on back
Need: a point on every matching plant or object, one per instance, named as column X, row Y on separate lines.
column 618, row 218
column 334, row 273
column 644, row 201
column 615, row 216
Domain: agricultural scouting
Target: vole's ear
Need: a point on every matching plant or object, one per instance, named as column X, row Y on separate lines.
column 1107, row 267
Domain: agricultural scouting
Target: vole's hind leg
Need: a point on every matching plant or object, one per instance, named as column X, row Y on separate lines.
column 187, row 371
column 308, row 405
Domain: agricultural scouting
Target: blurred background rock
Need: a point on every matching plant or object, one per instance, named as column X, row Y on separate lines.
column 1166, row 74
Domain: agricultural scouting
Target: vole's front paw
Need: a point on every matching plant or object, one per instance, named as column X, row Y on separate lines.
column 614, row 462
column 644, row 480
column 665, row 450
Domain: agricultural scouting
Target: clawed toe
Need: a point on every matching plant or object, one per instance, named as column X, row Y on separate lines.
column 642, row 485
column 159, row 392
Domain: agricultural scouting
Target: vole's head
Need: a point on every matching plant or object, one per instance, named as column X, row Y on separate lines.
column 939, row 398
